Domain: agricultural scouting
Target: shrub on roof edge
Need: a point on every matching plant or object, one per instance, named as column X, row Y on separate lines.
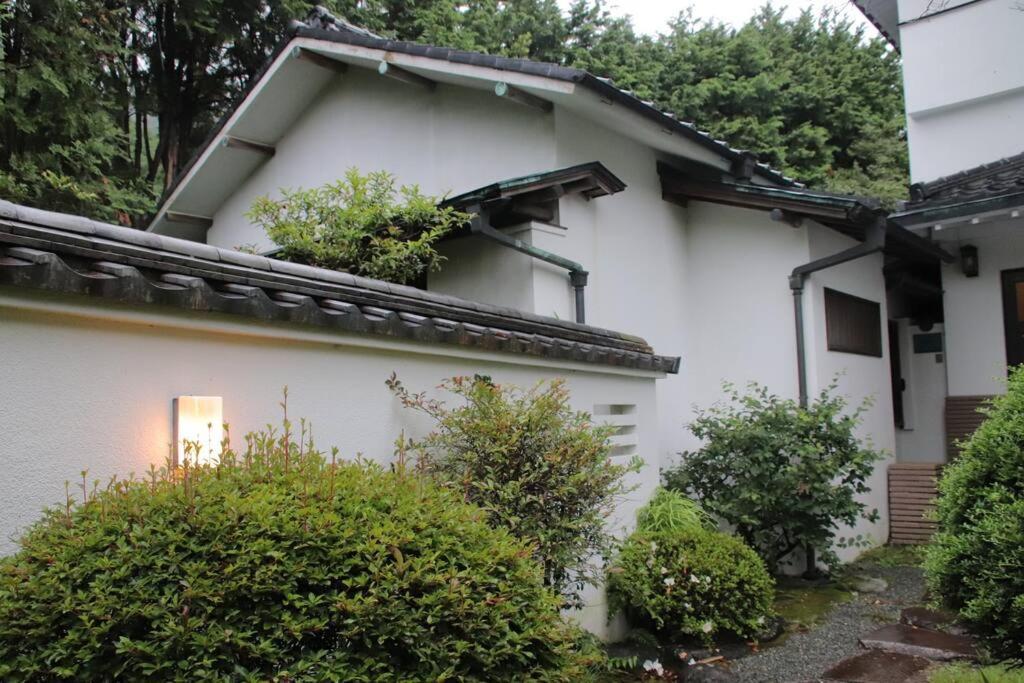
column 360, row 224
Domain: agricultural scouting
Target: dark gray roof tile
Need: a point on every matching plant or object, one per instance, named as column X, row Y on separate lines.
column 46, row 250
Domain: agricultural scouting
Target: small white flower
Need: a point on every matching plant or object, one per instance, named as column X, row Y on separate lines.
column 707, row 627
column 654, row 547
column 664, row 571
column 707, row 579
column 760, row 621
column 669, row 581
column 654, row 666
column 687, row 605
column 694, row 579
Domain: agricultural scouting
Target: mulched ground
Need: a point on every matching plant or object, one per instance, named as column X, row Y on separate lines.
column 805, row 656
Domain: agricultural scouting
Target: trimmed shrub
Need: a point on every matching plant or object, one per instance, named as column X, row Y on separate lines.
column 278, row 566
column 540, row 469
column 975, row 564
column 783, row 476
column 697, row 584
column 360, row 224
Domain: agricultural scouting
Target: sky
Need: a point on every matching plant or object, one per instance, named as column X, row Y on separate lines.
column 651, row 16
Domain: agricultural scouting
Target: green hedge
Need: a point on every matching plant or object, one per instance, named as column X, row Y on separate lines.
column 975, row 564
column 697, row 584
column 278, row 566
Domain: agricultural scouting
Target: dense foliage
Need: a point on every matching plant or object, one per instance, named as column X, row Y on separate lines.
column 106, row 102
column 975, row 564
column 784, row 477
column 539, row 468
column 683, row 578
column 358, row 224
column 276, row 565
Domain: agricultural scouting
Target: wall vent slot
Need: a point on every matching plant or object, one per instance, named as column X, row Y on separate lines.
column 623, row 417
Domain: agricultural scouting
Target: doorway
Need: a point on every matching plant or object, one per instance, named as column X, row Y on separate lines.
column 1013, row 315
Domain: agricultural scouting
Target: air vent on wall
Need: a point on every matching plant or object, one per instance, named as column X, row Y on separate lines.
column 622, row 416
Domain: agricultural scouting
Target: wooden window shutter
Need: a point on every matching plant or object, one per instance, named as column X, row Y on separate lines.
column 853, row 324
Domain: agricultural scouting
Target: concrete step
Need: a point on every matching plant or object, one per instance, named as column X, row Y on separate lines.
column 876, row 666
column 919, row 642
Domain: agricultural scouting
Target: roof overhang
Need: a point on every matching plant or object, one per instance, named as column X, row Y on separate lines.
column 310, row 59
column 885, row 15
column 848, row 215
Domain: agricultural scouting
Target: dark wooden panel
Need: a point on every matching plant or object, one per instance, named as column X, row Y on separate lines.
column 912, row 492
column 853, row 324
column 962, row 418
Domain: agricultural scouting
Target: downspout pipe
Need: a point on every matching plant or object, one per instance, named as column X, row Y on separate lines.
column 480, row 225
column 874, row 241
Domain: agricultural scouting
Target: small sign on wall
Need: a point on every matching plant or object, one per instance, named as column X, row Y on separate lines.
column 928, row 343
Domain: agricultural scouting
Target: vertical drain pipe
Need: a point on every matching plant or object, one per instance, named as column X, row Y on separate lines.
column 874, row 241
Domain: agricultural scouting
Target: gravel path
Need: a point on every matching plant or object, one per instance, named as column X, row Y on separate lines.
column 805, row 656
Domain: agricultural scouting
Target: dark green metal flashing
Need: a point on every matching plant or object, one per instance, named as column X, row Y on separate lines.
column 593, row 179
column 944, row 212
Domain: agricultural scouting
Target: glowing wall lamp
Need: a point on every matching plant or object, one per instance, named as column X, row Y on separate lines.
column 198, row 419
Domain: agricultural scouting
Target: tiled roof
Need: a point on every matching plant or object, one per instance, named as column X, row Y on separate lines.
column 987, row 181
column 74, row 255
column 324, row 26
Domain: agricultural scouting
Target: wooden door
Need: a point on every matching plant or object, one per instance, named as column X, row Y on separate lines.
column 1013, row 315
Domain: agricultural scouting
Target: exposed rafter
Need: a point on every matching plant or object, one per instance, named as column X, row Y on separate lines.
column 233, row 142
column 319, row 60
column 513, row 93
column 386, row 68
column 201, row 221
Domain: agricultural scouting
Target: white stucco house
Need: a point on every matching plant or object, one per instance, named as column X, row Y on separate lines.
column 594, row 212
column 591, row 206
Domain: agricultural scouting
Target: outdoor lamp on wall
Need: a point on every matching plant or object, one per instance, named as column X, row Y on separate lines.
column 969, row 260
column 198, row 421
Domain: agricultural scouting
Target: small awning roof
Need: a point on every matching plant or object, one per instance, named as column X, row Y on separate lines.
column 844, row 213
column 591, row 179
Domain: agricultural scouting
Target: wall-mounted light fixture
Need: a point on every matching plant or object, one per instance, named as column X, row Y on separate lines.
column 969, row 260
column 198, row 420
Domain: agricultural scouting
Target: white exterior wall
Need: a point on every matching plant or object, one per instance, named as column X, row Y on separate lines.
column 861, row 377
column 448, row 141
column 923, row 437
column 973, row 307
column 964, row 83
column 740, row 318
column 89, row 386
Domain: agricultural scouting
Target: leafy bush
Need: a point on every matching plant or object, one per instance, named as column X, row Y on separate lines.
column 975, row 563
column 783, row 476
column 539, row 469
column 670, row 511
column 277, row 565
column 697, row 584
column 357, row 224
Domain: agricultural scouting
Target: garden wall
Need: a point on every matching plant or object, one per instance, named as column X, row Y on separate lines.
column 88, row 385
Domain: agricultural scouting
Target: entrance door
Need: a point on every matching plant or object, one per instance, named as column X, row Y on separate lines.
column 1013, row 315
